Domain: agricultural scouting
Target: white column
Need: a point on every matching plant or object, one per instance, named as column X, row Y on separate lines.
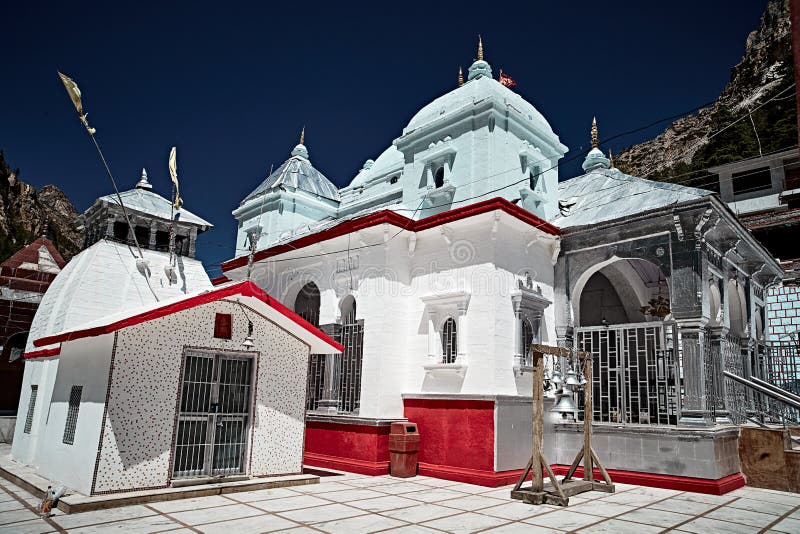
column 518, row 348
column 461, row 334
column 434, row 347
column 446, row 178
column 429, row 175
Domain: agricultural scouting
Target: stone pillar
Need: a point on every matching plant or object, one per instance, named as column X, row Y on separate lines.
column 153, row 229
column 110, row 227
column 695, row 411
column 717, row 358
column 519, row 350
column 192, row 240
column 329, row 400
column 429, row 176
column 461, row 334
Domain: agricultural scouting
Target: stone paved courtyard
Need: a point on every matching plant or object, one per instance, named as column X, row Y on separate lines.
column 354, row 503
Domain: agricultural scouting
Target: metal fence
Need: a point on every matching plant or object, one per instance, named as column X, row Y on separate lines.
column 635, row 377
column 335, row 379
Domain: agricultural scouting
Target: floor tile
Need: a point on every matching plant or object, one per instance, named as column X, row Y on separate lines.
column 70, row 521
column 261, row 495
column 630, row 498
column 467, row 488
column 422, row 513
column 349, row 495
column 402, row 487
column 465, row 522
column 436, row 495
column 516, row 510
column 155, row 523
column 618, row 526
column 704, row 525
column 213, row 515
column 13, row 504
column 323, row 487
column 769, row 496
column 600, row 508
column 437, row 482
column 289, row 503
column 472, row 502
column 564, row 519
column 15, row 516
column 705, row 498
column 412, row 529
column 738, row 515
column 318, row 514
column 34, row 526
column 247, row 525
column 765, row 507
column 502, row 493
column 683, row 506
column 385, row 503
column 651, row 516
column 513, row 528
column 787, row 525
column 363, row 523
column 198, row 503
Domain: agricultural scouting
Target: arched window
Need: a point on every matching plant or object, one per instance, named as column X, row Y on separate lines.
column 307, row 303
column 449, row 341
column 438, row 178
column 393, row 180
column 348, row 308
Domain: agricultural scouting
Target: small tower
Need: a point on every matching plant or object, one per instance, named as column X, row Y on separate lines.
column 480, row 67
column 595, row 158
column 149, row 214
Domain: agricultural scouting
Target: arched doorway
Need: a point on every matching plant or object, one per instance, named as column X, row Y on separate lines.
column 620, row 311
column 307, row 305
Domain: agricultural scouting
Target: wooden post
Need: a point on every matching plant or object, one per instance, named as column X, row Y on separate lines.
column 537, row 482
column 587, row 421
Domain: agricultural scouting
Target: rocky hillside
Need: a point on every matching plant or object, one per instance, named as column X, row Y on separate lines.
column 759, row 84
column 26, row 213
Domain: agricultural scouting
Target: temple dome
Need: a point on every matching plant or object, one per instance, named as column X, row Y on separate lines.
column 297, row 172
column 389, row 158
column 472, row 92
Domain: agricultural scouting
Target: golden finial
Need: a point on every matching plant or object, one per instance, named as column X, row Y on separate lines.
column 480, row 48
column 460, row 76
column 610, row 159
column 303, row 136
column 594, row 132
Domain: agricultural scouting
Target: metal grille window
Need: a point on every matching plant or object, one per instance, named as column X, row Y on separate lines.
column 449, row 341
column 31, row 408
column 527, row 341
column 72, row 414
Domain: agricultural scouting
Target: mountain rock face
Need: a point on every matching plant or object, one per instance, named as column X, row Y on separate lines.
column 759, row 89
column 26, row 214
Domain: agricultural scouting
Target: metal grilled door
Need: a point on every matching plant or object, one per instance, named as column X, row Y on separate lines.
column 214, row 415
column 352, row 337
column 634, row 376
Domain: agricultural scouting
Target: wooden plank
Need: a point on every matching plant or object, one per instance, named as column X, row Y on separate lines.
column 587, row 421
column 553, row 479
column 601, row 468
column 537, row 483
column 523, row 477
column 574, row 465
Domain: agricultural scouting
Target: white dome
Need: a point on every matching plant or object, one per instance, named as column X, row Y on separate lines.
column 389, row 158
column 471, row 93
column 104, row 280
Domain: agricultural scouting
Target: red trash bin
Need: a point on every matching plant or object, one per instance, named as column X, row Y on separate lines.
column 403, row 449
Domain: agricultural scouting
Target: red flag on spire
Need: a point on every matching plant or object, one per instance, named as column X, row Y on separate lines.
column 507, row 80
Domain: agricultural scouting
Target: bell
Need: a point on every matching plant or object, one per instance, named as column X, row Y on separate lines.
column 556, row 378
column 248, row 343
column 572, row 379
column 565, row 404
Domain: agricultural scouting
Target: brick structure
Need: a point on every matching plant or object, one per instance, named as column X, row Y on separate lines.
column 24, row 278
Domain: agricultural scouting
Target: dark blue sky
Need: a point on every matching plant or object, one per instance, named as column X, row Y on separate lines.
column 232, row 84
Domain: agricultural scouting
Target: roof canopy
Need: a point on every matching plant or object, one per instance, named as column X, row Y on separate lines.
column 247, row 292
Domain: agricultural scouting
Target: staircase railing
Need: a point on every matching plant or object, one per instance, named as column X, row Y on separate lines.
column 767, row 403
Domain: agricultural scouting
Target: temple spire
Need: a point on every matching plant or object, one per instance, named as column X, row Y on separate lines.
column 610, row 159
column 480, row 48
column 460, row 76
column 303, row 136
column 143, row 182
column 594, row 132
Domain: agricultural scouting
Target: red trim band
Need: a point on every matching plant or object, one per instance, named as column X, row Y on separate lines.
column 245, row 289
column 43, row 353
column 394, row 218
column 351, row 465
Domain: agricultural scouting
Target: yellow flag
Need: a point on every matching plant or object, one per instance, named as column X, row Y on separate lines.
column 173, row 172
column 73, row 91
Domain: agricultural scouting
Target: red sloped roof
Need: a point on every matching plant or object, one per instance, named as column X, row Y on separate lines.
column 30, row 254
column 394, row 218
column 291, row 321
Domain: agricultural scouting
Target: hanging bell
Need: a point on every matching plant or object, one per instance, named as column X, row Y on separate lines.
column 565, row 404
column 572, row 379
column 556, row 378
column 248, row 343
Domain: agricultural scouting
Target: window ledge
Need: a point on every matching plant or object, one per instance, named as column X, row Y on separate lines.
column 434, row 368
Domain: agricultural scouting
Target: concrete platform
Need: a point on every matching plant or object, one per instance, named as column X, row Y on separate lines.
column 26, row 478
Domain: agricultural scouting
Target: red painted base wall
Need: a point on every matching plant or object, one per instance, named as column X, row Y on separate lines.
column 360, row 449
